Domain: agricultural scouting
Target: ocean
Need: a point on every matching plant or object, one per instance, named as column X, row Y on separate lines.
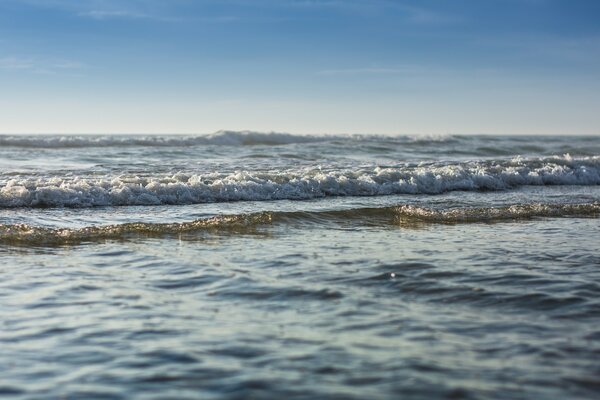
column 245, row 265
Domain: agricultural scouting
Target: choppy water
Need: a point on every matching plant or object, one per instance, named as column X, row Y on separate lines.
column 249, row 265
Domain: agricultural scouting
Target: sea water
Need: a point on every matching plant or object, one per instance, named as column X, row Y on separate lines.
column 266, row 265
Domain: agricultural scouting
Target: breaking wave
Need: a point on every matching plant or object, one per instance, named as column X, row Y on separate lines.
column 402, row 215
column 223, row 138
column 219, row 138
column 304, row 184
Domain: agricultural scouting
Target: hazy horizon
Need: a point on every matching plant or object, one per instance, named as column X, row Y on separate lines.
column 317, row 134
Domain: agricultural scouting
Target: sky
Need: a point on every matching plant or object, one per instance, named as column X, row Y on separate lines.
column 300, row 66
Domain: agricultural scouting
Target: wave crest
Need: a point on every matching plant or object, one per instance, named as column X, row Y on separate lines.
column 306, row 184
column 222, row 138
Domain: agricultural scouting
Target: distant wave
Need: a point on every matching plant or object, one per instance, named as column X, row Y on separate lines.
column 402, row 215
column 298, row 185
column 223, row 138
column 220, row 138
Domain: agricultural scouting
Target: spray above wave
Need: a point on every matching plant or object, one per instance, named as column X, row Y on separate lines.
column 222, row 138
column 298, row 185
column 403, row 216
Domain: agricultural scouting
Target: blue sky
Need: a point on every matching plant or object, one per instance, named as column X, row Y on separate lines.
column 300, row 66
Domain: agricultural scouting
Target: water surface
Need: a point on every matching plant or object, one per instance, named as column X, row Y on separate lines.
column 249, row 265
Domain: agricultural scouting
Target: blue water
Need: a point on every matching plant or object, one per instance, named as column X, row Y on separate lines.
column 247, row 265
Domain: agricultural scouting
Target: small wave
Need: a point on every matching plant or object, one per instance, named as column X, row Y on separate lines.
column 402, row 215
column 407, row 215
column 305, row 184
column 249, row 138
column 33, row 235
column 412, row 214
column 222, row 138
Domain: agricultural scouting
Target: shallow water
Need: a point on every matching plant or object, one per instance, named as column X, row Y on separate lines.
column 445, row 267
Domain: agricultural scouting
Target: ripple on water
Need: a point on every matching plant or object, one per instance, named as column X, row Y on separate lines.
column 308, row 312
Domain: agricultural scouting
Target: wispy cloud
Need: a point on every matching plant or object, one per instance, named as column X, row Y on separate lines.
column 108, row 9
column 398, row 69
column 104, row 14
column 122, row 14
column 580, row 49
column 421, row 74
column 37, row 65
column 148, row 10
column 163, row 11
column 16, row 63
column 414, row 14
column 364, row 71
column 424, row 16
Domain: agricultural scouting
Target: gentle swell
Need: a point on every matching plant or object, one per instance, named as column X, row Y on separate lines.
column 402, row 215
column 299, row 185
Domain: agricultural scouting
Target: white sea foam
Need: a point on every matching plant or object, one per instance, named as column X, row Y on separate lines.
column 185, row 188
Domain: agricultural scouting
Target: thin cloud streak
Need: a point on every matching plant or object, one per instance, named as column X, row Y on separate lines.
column 15, row 63
column 101, row 15
column 102, row 10
column 364, row 71
column 414, row 14
column 38, row 66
